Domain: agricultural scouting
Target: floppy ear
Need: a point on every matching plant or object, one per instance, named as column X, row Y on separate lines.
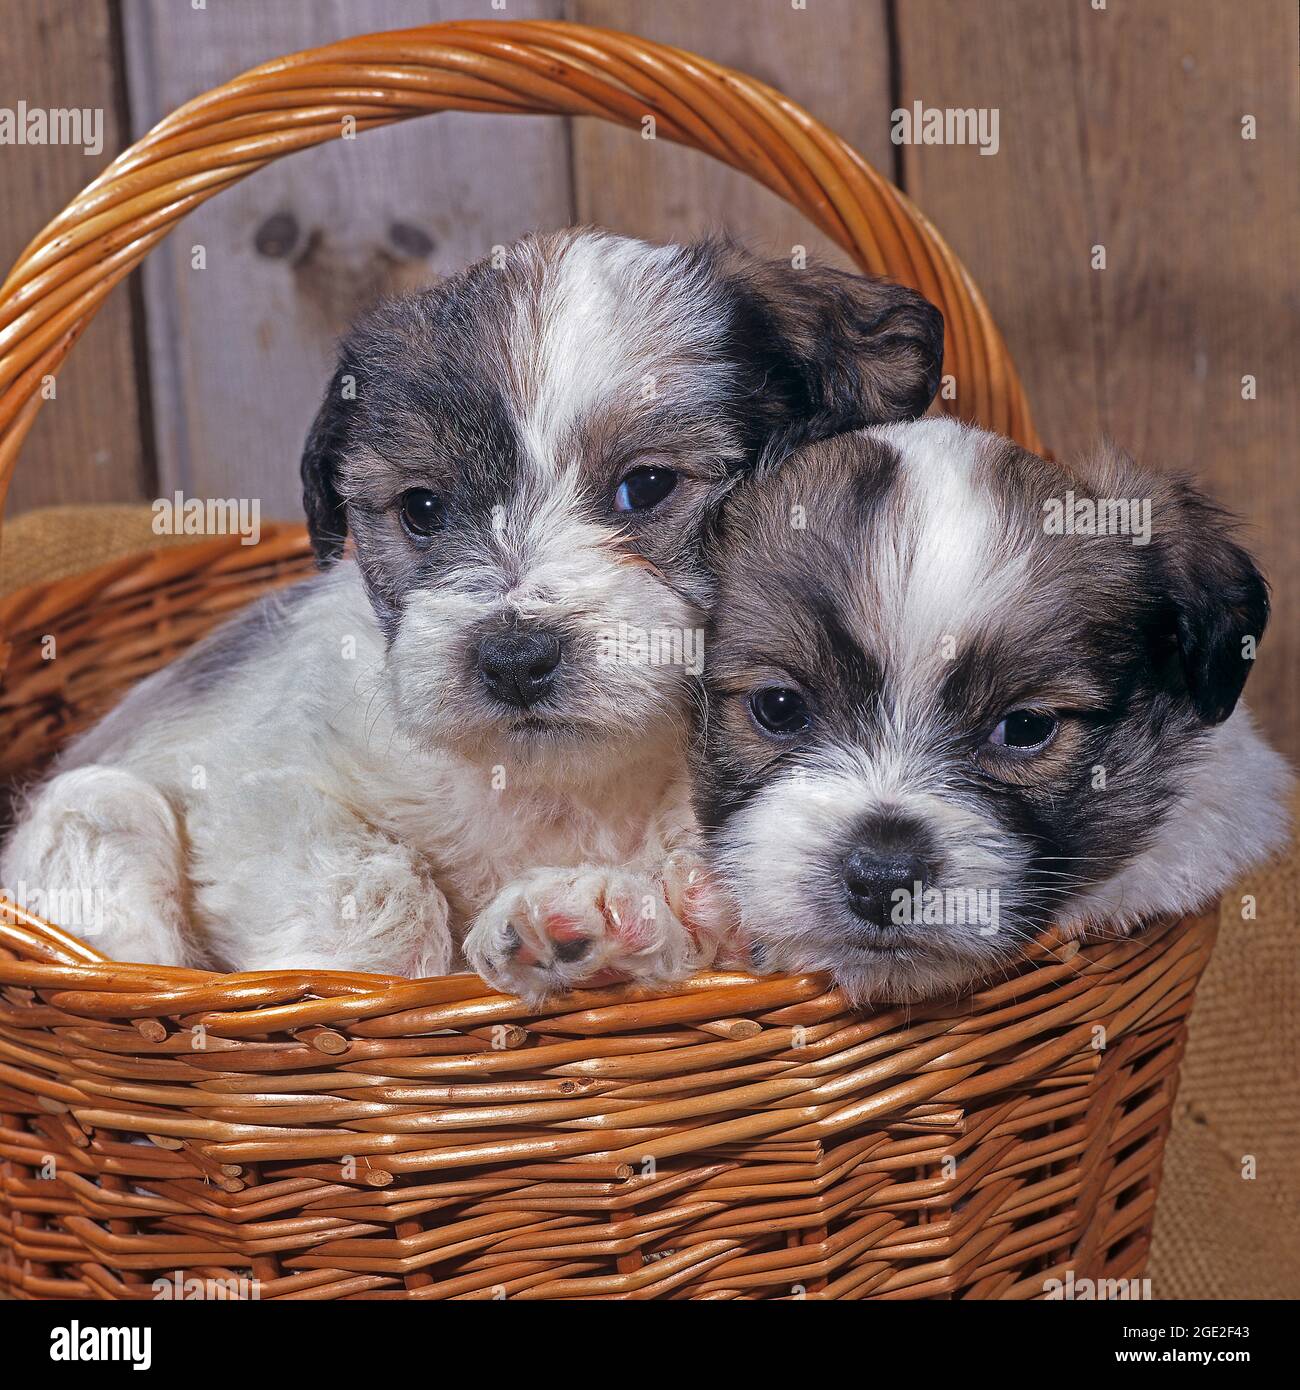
column 321, row 456
column 1218, row 597
column 822, row 350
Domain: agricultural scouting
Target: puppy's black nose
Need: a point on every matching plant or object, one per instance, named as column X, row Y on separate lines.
column 873, row 880
column 518, row 665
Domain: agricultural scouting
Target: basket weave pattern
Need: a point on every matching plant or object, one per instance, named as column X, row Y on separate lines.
column 347, row 1135
column 327, row 1135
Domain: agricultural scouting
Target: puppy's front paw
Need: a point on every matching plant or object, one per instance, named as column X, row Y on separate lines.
column 557, row 928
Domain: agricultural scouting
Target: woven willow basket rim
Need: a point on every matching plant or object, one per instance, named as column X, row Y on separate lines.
column 771, row 1104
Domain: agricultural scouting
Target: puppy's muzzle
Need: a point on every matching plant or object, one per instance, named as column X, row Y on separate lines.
column 891, row 862
column 872, row 883
column 518, row 665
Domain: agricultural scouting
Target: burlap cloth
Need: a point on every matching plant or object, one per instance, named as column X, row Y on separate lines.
column 1219, row 1232
column 42, row 546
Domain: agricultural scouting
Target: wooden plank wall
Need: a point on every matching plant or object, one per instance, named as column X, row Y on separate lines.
column 1122, row 127
column 1119, row 125
column 91, row 443
column 294, row 252
column 834, row 60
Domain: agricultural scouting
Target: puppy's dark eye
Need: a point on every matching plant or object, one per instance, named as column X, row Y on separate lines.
column 422, row 511
column 780, row 710
column 642, row 488
column 1025, row 731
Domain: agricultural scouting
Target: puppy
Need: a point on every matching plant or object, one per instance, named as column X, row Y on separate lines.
column 463, row 734
column 956, row 692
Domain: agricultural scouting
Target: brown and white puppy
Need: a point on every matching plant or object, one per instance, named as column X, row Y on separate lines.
column 956, row 692
column 472, row 731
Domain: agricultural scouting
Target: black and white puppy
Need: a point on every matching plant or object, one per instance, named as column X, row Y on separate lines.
column 956, row 692
column 470, row 734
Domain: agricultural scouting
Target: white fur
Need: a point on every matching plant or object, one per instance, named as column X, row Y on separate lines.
column 600, row 298
column 284, row 819
column 334, row 800
column 952, row 563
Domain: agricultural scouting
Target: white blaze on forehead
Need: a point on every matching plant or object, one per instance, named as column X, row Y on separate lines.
column 546, row 559
column 562, row 555
column 609, row 311
column 938, row 566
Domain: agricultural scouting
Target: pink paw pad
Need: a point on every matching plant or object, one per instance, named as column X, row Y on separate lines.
column 562, row 928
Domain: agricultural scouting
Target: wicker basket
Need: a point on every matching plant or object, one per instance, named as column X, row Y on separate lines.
column 327, row 1135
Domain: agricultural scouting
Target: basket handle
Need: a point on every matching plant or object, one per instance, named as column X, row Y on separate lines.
column 524, row 68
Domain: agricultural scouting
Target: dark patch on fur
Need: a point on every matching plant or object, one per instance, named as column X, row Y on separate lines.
column 1218, row 596
column 423, row 396
column 1191, row 596
column 780, row 608
column 822, row 350
column 327, row 521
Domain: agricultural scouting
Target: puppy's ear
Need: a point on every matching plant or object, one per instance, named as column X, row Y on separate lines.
column 823, row 351
column 321, row 458
column 1219, row 598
